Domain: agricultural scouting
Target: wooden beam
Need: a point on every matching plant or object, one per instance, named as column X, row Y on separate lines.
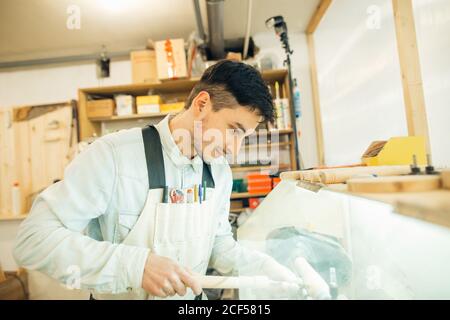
column 318, row 15
column 410, row 67
column 316, row 98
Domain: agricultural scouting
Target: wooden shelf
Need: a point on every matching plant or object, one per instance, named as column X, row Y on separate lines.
column 246, row 195
column 132, row 117
column 180, row 88
column 238, row 210
column 170, row 85
column 269, row 132
column 268, row 145
column 12, row 218
column 264, row 168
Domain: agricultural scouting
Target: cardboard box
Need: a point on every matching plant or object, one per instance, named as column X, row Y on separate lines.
column 124, row 104
column 148, row 104
column 170, row 59
column 143, row 66
column 396, row 151
column 154, row 99
column 100, row 108
column 172, row 107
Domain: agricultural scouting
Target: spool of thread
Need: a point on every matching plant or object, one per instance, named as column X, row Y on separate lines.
column 15, row 196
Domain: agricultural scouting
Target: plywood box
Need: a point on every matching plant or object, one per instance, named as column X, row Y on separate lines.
column 143, row 66
column 446, row 179
column 171, row 59
column 100, row 108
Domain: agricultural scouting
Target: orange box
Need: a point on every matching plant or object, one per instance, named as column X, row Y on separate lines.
column 255, row 190
column 275, row 181
column 257, row 183
column 253, row 203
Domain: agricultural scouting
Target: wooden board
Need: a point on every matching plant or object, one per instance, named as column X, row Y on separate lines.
column 413, row 93
column 33, row 152
column 445, row 175
column 341, row 175
column 316, row 99
column 2, row 275
column 318, row 16
column 7, row 173
column 394, row 184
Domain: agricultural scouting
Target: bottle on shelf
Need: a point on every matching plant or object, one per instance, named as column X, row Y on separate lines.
column 15, row 196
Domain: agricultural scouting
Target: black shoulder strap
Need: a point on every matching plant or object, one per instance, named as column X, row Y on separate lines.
column 207, row 178
column 154, row 158
column 155, row 161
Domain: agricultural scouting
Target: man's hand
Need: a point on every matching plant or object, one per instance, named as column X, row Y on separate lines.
column 163, row 277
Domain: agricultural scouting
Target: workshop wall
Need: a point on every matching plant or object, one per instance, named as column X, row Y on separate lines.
column 56, row 83
column 361, row 97
column 432, row 20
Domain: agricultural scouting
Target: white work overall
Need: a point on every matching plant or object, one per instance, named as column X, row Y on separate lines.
column 183, row 232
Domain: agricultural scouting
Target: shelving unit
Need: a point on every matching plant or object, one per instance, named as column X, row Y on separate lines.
column 5, row 217
column 130, row 117
column 180, row 89
column 245, row 195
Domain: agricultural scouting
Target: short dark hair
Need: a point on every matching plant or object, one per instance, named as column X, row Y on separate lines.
column 230, row 82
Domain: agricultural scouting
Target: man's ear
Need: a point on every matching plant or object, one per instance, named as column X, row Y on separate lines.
column 201, row 105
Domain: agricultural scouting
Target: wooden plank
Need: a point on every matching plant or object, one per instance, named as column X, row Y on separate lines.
column 22, row 162
column 390, row 184
column 87, row 128
column 316, row 99
column 38, row 161
column 132, row 116
column 50, row 147
column 267, row 145
column 171, row 86
column 318, row 16
column 5, row 160
column 413, row 93
column 2, row 274
column 445, row 175
column 265, row 168
column 244, row 195
column 10, row 217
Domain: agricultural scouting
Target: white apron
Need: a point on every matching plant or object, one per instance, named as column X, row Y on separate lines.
column 183, row 232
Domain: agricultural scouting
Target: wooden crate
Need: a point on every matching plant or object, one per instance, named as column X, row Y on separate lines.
column 15, row 286
column 37, row 142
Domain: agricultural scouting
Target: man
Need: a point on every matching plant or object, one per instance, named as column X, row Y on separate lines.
column 106, row 217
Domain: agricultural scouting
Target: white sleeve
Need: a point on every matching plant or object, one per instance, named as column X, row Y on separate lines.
column 50, row 239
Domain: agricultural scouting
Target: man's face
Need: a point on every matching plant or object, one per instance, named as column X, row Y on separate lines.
column 224, row 131
column 220, row 133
